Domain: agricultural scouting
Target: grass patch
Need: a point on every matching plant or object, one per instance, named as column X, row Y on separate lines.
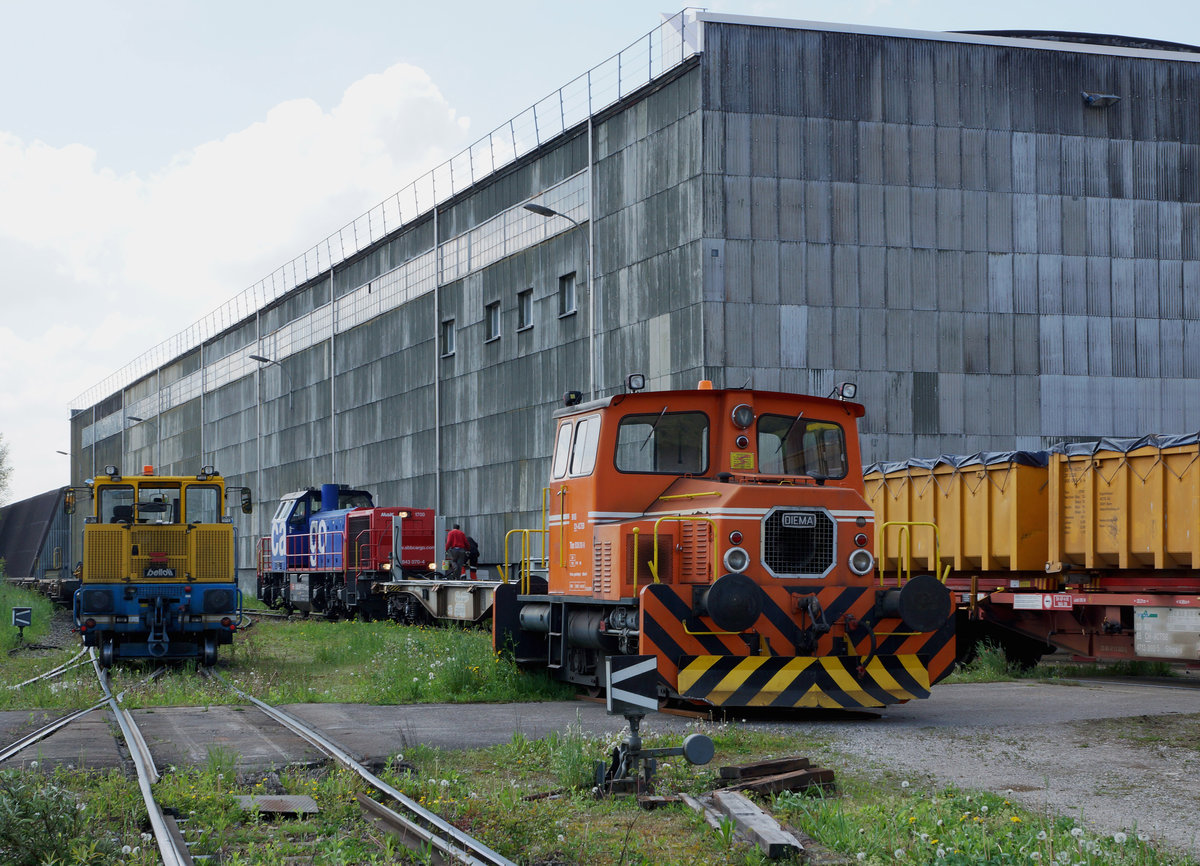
column 43, row 611
column 876, row 825
column 303, row 662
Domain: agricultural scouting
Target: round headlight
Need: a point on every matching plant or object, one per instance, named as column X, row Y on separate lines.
column 737, row 559
column 861, row 562
column 743, row 416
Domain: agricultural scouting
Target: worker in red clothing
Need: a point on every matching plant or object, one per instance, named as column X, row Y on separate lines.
column 456, row 552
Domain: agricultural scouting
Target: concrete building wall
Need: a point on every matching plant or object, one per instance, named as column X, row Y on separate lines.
column 949, row 224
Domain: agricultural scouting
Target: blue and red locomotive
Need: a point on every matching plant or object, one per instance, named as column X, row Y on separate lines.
column 328, row 547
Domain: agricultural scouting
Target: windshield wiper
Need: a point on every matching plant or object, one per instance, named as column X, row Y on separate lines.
column 790, row 428
column 652, row 428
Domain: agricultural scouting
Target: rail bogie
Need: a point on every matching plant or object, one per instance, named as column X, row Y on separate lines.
column 158, row 578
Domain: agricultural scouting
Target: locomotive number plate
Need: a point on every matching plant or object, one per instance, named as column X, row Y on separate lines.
column 798, row 520
column 158, row 571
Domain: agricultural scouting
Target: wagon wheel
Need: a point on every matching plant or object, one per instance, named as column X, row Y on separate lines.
column 209, row 657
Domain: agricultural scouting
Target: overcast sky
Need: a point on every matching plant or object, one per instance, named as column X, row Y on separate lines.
column 159, row 156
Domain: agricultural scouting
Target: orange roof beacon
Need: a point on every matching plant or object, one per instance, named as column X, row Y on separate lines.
column 725, row 533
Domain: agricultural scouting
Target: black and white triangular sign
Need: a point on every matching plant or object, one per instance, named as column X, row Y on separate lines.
column 632, row 683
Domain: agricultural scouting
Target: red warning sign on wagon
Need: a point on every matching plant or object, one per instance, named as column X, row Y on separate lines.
column 1043, row 601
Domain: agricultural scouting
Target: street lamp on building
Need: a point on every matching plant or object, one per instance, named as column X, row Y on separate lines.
column 542, row 210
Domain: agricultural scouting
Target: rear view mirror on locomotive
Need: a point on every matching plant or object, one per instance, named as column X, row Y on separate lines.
column 725, row 533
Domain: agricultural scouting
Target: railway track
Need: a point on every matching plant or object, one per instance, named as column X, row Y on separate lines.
column 416, row 826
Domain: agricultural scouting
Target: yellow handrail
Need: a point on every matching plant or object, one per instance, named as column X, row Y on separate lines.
column 680, row 519
column 691, row 495
column 904, row 562
column 526, row 560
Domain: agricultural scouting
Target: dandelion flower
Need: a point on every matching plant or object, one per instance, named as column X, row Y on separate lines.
column 904, row 784
column 1143, row 837
column 940, row 853
column 898, row 853
column 562, row 838
column 1076, row 832
column 1119, row 837
column 1015, row 819
column 1041, row 835
column 1035, row 855
column 983, row 809
column 862, row 855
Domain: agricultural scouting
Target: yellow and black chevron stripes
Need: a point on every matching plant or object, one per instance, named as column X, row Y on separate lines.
column 828, row 682
column 775, row 663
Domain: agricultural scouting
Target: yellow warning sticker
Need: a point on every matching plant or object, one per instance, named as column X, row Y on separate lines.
column 741, row 460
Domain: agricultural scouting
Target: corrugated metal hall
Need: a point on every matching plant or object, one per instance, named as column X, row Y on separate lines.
column 994, row 236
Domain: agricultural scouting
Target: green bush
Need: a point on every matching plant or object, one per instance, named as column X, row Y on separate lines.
column 41, row 823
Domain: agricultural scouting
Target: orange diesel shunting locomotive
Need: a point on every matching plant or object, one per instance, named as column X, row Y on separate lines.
column 724, row 532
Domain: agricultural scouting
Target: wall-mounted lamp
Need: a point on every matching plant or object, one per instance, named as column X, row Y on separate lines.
column 1099, row 100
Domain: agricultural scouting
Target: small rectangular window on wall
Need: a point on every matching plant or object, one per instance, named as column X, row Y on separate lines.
column 447, row 337
column 926, row 418
column 566, row 295
column 524, row 309
column 491, row 320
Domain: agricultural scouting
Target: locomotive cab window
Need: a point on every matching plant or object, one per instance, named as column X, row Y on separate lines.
column 203, row 504
column 671, row 443
column 575, row 447
column 795, row 445
column 158, row 504
column 115, row 504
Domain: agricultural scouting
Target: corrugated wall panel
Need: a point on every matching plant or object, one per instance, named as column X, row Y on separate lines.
column 1124, row 346
column 1098, row 221
column 764, row 208
column 793, row 335
column 764, row 145
column 1050, row 345
column 899, row 279
column 924, row 218
column 1026, row 343
column 899, row 340
column 1170, row 290
column 1074, row 285
column 873, row 339
column 897, row 206
column 1025, row 283
column 1049, row 224
column 1148, row 339
column 847, row 337
column 820, row 337
column 1099, row 287
column 975, row 220
column 844, row 225
column 1025, row 223
column 845, row 276
column 1050, row 284
column 974, row 280
column 1191, row 359
column 1170, row 348
column 1000, row 283
column 1191, row 290
column 971, row 341
column 817, row 212
column 1074, row 226
column 1075, row 345
column 923, row 156
column 872, row 277
column 818, row 262
column 816, row 132
column 871, row 216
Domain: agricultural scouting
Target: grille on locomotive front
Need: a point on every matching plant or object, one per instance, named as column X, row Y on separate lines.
column 798, row 543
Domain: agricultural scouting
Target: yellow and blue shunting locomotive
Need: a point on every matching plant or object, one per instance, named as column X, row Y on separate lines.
column 159, row 578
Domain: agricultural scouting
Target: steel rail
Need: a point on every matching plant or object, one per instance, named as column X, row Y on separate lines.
column 452, row 842
column 74, row 661
column 51, row 727
column 170, row 846
column 45, row 731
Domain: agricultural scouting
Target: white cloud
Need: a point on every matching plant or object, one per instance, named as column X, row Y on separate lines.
column 103, row 266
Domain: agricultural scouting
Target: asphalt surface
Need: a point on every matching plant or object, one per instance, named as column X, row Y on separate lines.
column 186, row 735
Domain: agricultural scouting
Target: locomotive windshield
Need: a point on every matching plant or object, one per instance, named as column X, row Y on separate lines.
column 795, row 445
column 672, row 443
column 115, row 504
column 203, row 504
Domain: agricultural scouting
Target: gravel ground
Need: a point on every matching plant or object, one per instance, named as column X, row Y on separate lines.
column 1115, row 756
